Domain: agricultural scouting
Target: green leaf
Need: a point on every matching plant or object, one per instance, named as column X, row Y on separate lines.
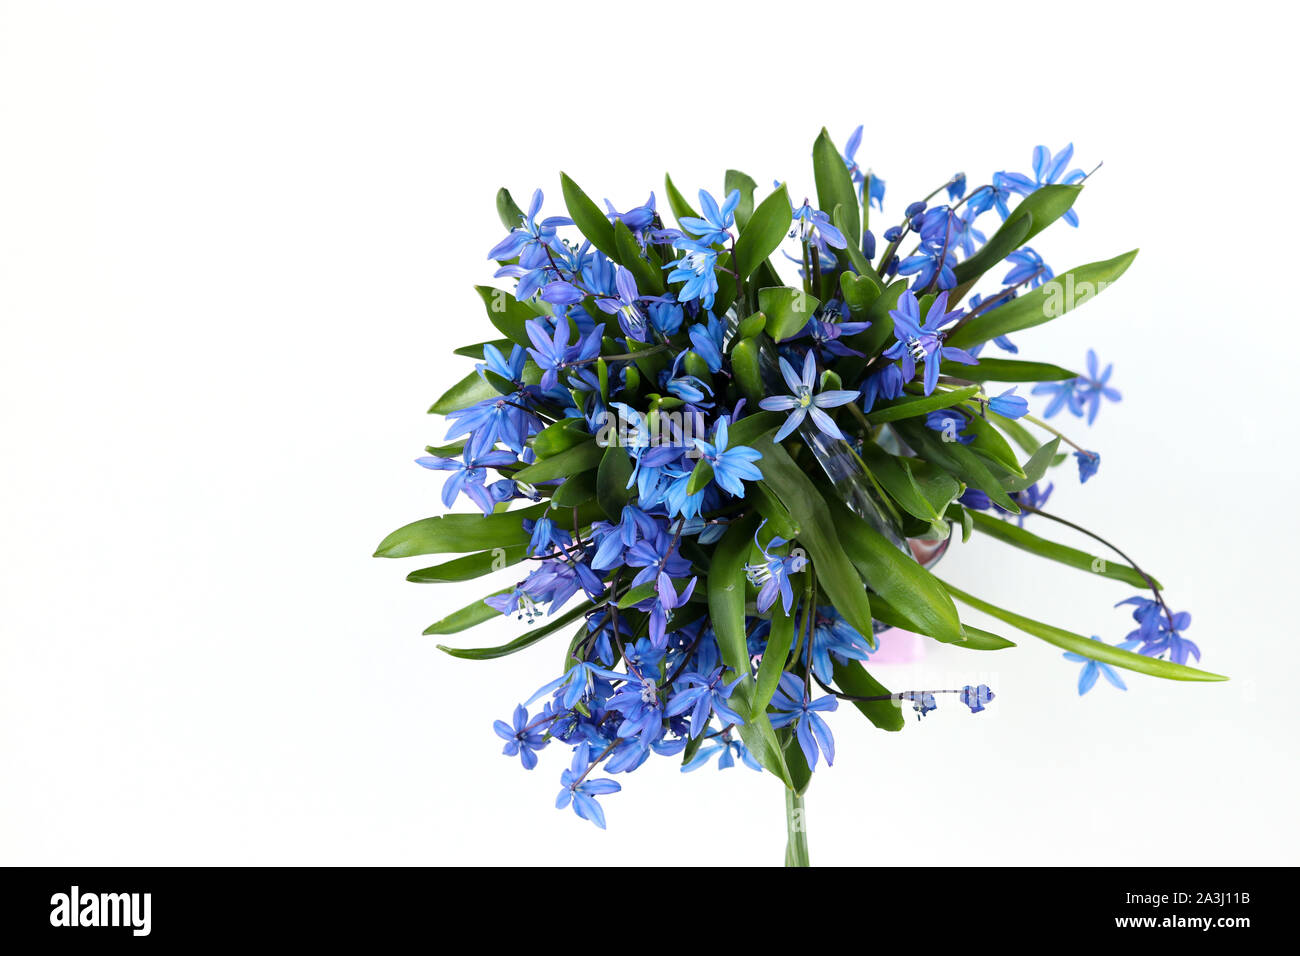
column 988, row 441
column 677, row 202
column 636, row 595
column 763, row 235
column 1008, row 370
column 571, row 461
column 475, row 351
column 780, row 638
column 589, row 218
column 559, row 436
column 836, row 574
column 466, row 617
column 1071, row 557
column 475, row 388
column 576, row 490
column 612, row 475
column 1034, row 468
column 735, row 179
column 852, row 678
column 745, row 366
column 459, row 533
column 506, row 313
column 1035, row 213
column 470, row 566
column 1077, row 643
column 701, row 475
column 788, row 310
column 859, row 291
column 897, row 577
column 898, row 482
column 835, row 186
column 980, row 640
column 726, row 597
column 958, row 460
column 527, row 639
column 1047, row 302
column 920, row 405
column 507, row 210
column 751, row 427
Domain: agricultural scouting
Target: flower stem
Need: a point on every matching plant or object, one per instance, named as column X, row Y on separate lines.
column 796, row 845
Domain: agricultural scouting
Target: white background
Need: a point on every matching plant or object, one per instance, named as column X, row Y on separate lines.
column 238, row 246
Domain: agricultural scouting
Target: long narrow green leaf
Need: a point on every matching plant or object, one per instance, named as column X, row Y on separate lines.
column 836, row 574
column 1049, row 301
column 589, row 218
column 920, row 405
column 897, row 576
column 527, row 639
column 459, row 533
column 779, row 641
column 470, row 566
column 466, row 617
column 571, row 461
column 835, row 187
column 852, row 678
column 726, row 596
column 1063, row 554
column 763, row 235
column 1078, row 644
column 1008, row 370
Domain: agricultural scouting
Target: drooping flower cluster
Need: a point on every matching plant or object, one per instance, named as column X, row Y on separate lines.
column 718, row 474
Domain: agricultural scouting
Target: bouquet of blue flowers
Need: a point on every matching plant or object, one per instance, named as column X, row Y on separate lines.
column 721, row 484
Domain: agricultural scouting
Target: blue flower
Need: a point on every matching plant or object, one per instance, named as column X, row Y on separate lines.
column 772, row 577
column 467, row 478
column 1031, row 497
column 956, row 187
column 1091, row 389
column 1027, row 266
column 1047, row 170
column 1009, row 404
column 583, row 791
column 1094, row 668
column 511, row 370
column 624, row 304
column 803, row 402
column 994, row 196
column 695, row 269
column 728, row 750
column 917, row 342
column 665, row 601
column 520, row 739
column 976, row 697
column 1089, row 462
column 815, row 228
column 553, row 353
column 636, row 218
column 877, row 188
column 1161, row 632
column 951, row 424
column 578, row 682
column 887, row 384
column 545, row 535
column 716, row 225
column 530, row 240
column 833, row 637
column 730, row 465
column 707, row 339
column 811, row 730
column 923, row 701
column 702, row 695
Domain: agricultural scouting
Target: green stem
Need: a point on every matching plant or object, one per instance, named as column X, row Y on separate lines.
column 796, row 846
